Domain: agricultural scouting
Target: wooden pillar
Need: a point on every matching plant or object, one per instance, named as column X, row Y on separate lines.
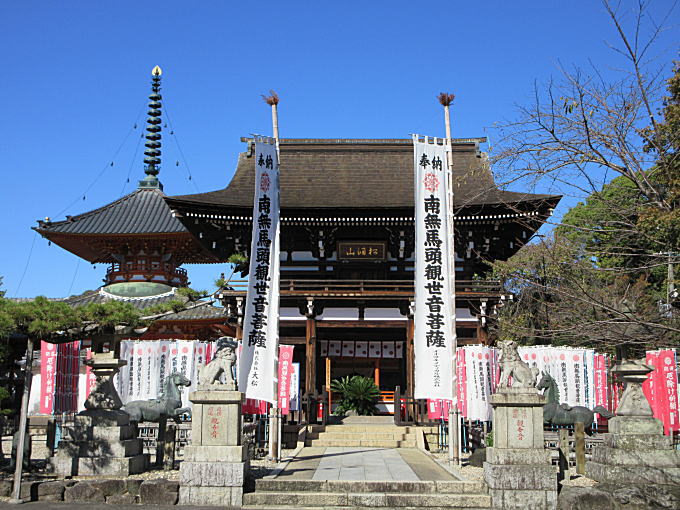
column 580, row 447
column 409, row 357
column 310, row 356
column 376, row 372
column 482, row 335
column 328, row 381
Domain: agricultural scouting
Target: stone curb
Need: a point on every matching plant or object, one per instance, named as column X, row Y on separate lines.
column 110, row 490
column 276, row 471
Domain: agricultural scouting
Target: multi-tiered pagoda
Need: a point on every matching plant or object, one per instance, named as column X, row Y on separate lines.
column 141, row 241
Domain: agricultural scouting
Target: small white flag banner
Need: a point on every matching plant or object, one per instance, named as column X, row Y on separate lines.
column 348, row 348
column 258, row 369
column 361, row 350
column 399, row 349
column 334, row 348
column 375, row 349
column 323, row 346
column 433, row 339
column 388, row 349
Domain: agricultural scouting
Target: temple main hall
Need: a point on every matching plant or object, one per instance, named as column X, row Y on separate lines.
column 347, row 250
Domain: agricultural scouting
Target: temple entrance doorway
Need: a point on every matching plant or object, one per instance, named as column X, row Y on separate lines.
column 386, row 373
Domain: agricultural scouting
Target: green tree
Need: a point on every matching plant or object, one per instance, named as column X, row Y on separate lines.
column 561, row 297
column 613, row 142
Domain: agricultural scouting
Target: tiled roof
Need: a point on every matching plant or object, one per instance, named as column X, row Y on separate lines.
column 141, row 212
column 100, row 296
column 193, row 311
column 351, row 174
column 200, row 310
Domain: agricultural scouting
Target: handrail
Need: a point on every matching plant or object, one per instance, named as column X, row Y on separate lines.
column 327, row 287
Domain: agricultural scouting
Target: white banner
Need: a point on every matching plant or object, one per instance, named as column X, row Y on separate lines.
column 480, row 369
column 573, row 369
column 433, row 340
column 150, row 362
column 257, row 373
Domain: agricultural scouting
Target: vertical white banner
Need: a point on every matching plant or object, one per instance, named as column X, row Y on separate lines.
column 257, row 363
column 433, row 339
column 185, row 366
column 164, row 349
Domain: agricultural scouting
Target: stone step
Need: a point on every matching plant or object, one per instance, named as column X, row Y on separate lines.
column 371, row 429
column 420, row 487
column 278, row 507
column 365, row 499
column 360, row 435
column 367, row 442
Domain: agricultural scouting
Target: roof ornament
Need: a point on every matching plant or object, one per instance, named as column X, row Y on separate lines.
column 152, row 153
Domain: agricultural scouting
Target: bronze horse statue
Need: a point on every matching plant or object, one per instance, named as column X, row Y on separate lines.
column 564, row 414
column 169, row 405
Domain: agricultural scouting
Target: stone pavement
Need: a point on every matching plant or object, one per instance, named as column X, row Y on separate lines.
column 363, row 464
column 50, row 505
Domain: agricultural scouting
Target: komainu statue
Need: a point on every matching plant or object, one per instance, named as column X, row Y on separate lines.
column 220, row 371
column 512, row 365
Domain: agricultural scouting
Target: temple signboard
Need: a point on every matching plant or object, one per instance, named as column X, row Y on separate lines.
column 357, row 250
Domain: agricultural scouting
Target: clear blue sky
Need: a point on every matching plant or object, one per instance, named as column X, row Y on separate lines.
column 75, row 76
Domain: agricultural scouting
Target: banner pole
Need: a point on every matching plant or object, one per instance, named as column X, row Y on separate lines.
column 274, row 415
column 445, row 100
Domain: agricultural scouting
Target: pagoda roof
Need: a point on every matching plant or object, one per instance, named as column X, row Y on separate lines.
column 140, row 213
column 357, row 174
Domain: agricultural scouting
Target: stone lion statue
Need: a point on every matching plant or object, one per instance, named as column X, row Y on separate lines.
column 220, row 371
column 512, row 365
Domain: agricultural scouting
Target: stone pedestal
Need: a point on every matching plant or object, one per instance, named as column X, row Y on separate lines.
column 216, row 464
column 102, row 440
column 635, row 451
column 518, row 468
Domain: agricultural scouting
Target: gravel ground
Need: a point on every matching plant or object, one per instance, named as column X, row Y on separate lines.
column 579, row 481
column 466, row 472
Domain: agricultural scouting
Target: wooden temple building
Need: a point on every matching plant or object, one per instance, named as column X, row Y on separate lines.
column 347, row 249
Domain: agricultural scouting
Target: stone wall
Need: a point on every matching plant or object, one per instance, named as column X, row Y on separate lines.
column 112, row 491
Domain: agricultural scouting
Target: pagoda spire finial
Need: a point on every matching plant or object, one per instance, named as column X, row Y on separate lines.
column 152, row 153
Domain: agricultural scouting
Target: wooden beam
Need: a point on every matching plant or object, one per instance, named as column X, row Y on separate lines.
column 361, row 324
column 310, row 356
column 293, row 340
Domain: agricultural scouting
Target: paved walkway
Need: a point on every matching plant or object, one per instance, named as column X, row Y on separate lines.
column 363, row 464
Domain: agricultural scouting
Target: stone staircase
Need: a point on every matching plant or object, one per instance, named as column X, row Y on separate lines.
column 336, row 494
column 375, row 436
column 367, row 431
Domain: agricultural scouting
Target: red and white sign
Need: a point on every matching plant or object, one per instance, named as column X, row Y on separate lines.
column 661, row 388
column 285, row 372
column 601, row 386
column 48, row 369
column 461, row 381
column 90, row 379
